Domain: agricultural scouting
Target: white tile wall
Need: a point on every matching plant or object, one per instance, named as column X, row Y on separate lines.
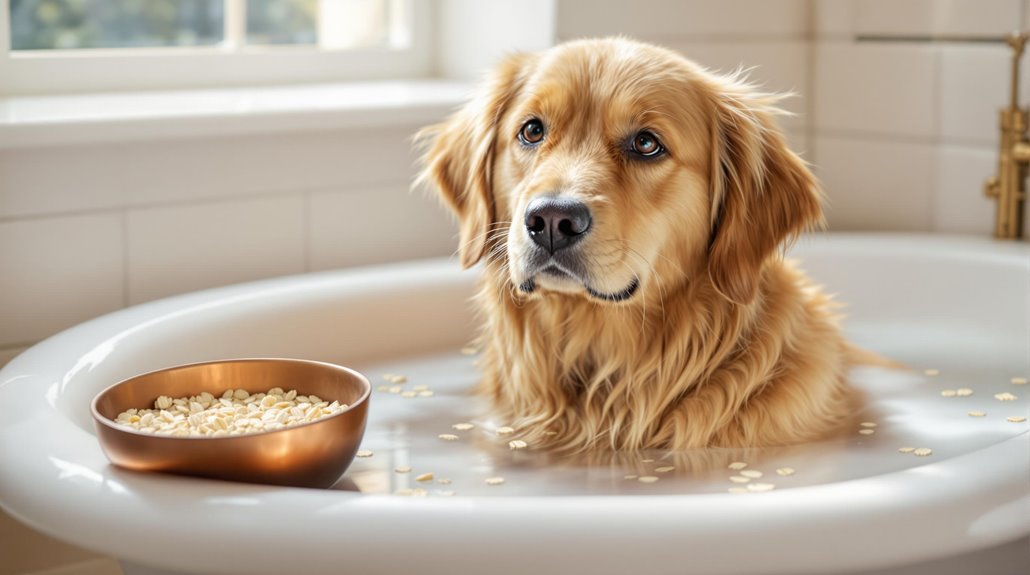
column 133, row 174
column 877, row 88
column 664, row 19
column 357, row 227
column 56, row 273
column 798, row 140
column 876, row 184
column 178, row 249
column 834, row 19
column 779, row 66
column 960, row 205
column 974, row 84
column 936, row 17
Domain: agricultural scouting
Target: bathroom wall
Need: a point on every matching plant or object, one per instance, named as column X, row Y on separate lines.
column 88, row 229
column 905, row 131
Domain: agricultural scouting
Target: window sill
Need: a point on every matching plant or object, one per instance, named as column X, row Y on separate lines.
column 134, row 116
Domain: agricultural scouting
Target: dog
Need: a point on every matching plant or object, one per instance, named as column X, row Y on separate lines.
column 631, row 209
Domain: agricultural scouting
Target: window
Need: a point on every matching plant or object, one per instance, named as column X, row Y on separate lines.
column 96, row 45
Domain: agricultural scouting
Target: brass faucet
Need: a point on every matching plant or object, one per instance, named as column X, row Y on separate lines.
column 1009, row 185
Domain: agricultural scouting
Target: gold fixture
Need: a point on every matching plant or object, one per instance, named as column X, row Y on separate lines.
column 1009, row 185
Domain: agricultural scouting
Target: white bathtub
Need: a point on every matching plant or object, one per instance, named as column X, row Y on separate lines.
column 958, row 305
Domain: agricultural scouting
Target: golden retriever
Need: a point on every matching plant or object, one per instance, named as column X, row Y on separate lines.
column 631, row 209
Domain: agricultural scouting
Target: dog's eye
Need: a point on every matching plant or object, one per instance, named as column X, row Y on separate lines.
column 532, row 132
column 646, row 144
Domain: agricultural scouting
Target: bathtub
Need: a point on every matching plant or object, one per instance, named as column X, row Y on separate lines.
column 956, row 306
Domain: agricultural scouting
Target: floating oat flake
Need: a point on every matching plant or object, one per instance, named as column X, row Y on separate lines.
column 505, row 430
column 448, row 437
column 1018, row 381
column 363, row 453
column 1015, row 419
column 425, row 477
column 760, row 487
column 462, row 426
column 977, row 414
column 647, row 479
column 737, row 465
column 494, row 480
column 517, row 444
column 1005, row 396
column 785, row 471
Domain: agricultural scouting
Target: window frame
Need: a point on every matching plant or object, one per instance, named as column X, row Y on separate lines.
column 39, row 72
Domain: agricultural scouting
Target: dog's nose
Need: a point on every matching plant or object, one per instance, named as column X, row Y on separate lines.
column 556, row 223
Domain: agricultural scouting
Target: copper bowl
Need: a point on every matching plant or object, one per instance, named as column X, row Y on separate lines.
column 307, row 455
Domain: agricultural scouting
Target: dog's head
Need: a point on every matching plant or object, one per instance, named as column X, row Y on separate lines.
column 609, row 167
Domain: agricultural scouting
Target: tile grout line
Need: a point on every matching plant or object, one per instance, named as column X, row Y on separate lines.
column 306, row 222
column 810, row 57
column 710, row 38
column 353, row 187
column 902, row 138
column 125, row 257
column 936, row 111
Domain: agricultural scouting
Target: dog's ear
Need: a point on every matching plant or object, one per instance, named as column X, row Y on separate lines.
column 460, row 154
column 763, row 194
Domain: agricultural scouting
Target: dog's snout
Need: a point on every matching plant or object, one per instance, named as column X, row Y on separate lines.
column 556, row 223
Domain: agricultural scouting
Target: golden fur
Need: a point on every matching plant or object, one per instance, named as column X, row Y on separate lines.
column 723, row 343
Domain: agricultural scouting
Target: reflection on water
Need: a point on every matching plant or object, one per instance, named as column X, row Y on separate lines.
column 906, row 407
